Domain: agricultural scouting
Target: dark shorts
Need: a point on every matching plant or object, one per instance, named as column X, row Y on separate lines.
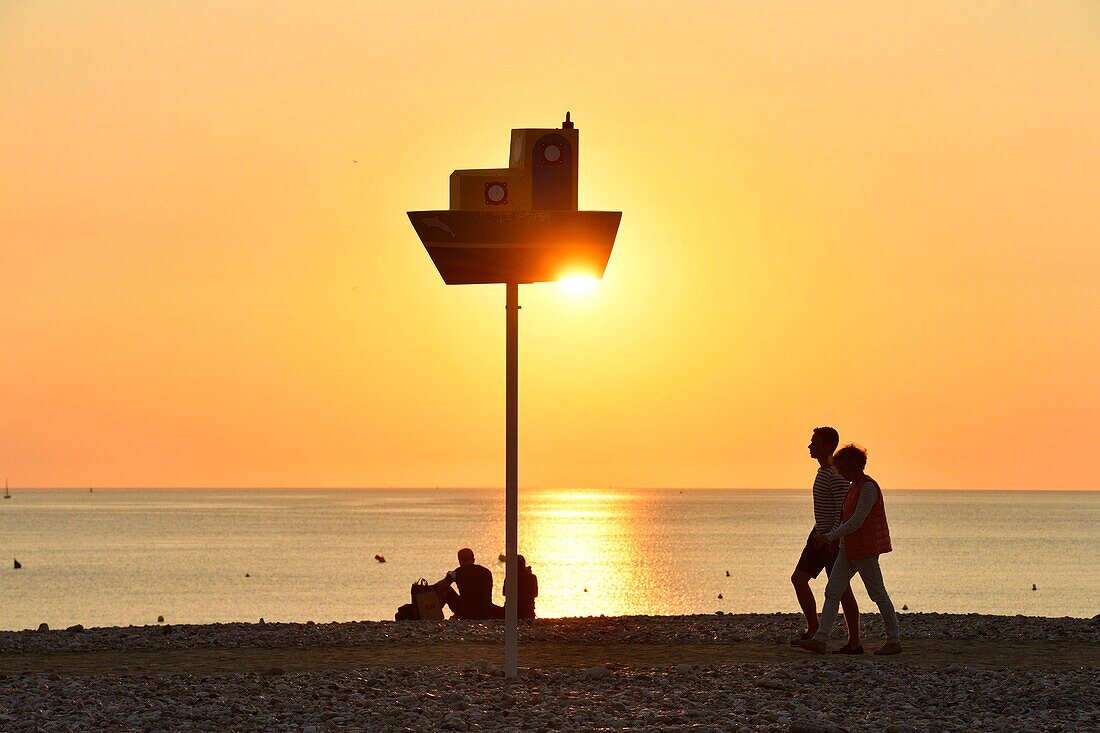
column 813, row 560
column 463, row 608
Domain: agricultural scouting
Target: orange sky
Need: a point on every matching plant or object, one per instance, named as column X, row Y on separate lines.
column 880, row 216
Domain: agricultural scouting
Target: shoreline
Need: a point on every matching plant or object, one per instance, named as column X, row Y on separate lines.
column 698, row 629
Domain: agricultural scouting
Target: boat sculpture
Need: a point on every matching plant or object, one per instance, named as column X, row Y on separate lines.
column 519, row 224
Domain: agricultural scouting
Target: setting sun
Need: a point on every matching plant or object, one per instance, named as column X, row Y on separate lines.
column 578, row 284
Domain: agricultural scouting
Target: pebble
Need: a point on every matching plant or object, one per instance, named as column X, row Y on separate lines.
column 597, row 672
column 801, row 726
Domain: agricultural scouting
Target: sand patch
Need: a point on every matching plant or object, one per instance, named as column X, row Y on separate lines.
column 535, row 654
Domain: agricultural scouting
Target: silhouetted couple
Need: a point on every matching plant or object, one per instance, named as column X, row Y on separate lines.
column 474, row 598
column 850, row 532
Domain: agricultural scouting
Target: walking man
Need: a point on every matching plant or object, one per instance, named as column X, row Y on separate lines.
column 828, row 493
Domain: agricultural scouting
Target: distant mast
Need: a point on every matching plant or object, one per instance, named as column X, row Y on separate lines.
column 7, row 494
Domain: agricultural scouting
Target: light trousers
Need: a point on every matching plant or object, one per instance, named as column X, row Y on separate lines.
column 843, row 572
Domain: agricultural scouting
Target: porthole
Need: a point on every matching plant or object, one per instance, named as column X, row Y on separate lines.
column 496, row 193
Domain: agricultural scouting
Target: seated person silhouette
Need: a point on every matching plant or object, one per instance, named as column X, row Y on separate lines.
column 474, row 598
column 528, row 589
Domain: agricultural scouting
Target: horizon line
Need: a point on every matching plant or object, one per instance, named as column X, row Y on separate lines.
column 82, row 488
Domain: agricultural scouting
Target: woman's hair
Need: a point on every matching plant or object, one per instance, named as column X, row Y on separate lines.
column 851, row 455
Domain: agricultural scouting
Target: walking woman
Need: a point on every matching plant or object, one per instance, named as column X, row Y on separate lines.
column 864, row 535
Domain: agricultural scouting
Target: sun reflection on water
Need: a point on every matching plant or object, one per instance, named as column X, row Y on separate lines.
column 584, row 546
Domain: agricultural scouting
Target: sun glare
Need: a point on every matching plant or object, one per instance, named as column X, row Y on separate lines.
column 578, row 284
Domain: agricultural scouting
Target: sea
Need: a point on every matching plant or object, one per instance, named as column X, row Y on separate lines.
column 128, row 556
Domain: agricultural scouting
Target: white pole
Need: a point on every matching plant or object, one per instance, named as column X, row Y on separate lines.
column 511, row 482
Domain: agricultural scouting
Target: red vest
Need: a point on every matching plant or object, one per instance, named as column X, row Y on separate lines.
column 873, row 536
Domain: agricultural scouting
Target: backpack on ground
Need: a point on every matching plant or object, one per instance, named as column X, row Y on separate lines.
column 406, row 612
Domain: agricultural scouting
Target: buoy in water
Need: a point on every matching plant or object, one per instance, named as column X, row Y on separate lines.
column 16, row 564
column 1033, row 587
column 719, row 596
column 727, row 573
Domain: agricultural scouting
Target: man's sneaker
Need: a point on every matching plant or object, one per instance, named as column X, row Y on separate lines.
column 805, row 635
column 858, row 649
column 812, row 645
column 890, row 647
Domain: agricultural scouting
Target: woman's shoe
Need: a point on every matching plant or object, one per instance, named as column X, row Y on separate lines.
column 812, row 645
column 803, row 637
column 890, row 647
column 858, row 649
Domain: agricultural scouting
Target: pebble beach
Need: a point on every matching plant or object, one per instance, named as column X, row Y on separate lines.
column 674, row 673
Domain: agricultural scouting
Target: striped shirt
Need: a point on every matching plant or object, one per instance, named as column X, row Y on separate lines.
column 830, row 489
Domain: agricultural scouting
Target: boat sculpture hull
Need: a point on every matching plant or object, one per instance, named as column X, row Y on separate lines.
column 473, row 247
